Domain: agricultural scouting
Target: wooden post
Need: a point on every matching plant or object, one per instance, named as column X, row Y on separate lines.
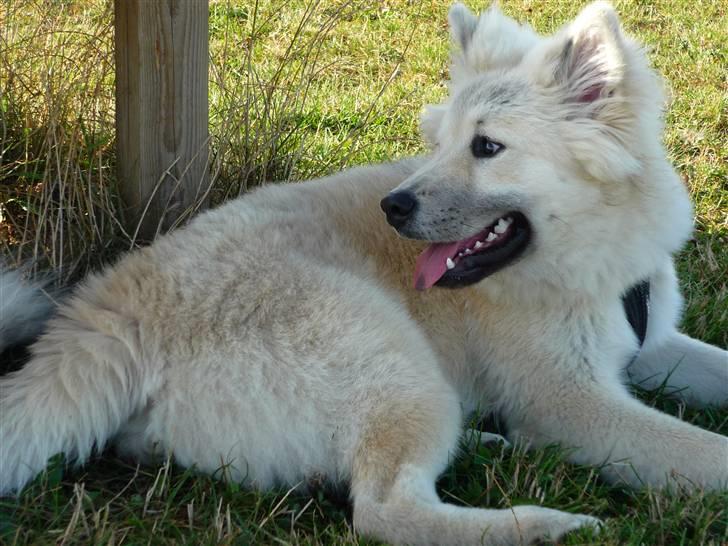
column 161, row 109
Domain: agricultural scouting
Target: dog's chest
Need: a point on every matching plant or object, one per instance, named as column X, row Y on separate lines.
column 501, row 348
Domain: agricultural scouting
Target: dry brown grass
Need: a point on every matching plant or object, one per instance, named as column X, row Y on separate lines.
column 57, row 197
column 59, row 207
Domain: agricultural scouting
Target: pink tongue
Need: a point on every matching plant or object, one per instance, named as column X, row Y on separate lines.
column 431, row 264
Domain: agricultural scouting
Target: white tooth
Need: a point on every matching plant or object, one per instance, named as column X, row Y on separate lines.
column 509, row 221
column 450, row 264
column 478, row 245
column 501, row 226
column 468, row 251
column 491, row 237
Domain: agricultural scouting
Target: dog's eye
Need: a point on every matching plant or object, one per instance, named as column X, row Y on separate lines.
column 482, row 146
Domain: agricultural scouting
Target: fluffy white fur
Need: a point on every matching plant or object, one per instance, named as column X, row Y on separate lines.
column 24, row 308
column 279, row 334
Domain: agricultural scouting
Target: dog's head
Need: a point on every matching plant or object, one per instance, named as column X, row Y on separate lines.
column 546, row 160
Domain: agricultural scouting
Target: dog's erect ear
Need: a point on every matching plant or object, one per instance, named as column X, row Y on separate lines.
column 586, row 60
column 591, row 68
column 488, row 42
column 462, row 25
column 592, row 62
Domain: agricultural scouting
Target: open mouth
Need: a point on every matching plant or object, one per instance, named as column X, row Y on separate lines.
column 465, row 262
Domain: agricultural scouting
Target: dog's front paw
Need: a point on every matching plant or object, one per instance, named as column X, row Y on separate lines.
column 535, row 523
column 478, row 437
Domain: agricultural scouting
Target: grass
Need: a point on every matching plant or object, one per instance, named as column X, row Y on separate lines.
column 300, row 88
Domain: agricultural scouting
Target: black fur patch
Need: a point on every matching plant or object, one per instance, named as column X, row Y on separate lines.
column 13, row 358
column 636, row 303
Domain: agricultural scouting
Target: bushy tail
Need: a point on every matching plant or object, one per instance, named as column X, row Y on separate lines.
column 82, row 383
column 24, row 309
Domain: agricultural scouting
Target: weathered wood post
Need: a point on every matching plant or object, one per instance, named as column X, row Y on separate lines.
column 161, row 109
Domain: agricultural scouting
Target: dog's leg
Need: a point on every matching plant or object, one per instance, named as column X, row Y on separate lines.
column 393, row 486
column 688, row 369
column 606, row 426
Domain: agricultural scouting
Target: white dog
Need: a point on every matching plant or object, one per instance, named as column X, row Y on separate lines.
column 293, row 333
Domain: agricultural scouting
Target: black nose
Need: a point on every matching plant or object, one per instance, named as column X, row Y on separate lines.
column 399, row 206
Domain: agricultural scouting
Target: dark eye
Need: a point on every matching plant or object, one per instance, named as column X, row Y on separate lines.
column 482, row 146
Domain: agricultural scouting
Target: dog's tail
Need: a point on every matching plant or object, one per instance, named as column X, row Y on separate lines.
column 82, row 383
column 24, row 308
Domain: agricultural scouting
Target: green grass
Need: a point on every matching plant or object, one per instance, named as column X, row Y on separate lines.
column 376, row 65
